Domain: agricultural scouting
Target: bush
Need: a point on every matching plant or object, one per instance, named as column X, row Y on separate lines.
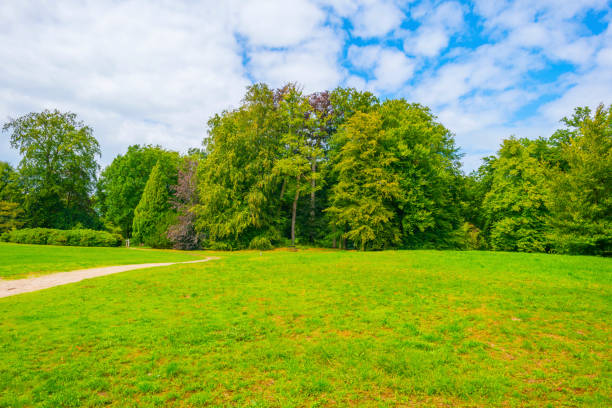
column 76, row 237
column 261, row 243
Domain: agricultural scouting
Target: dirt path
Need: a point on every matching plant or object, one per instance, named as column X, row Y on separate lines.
column 14, row 287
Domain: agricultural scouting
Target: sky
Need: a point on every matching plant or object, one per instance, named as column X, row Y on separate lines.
column 155, row 71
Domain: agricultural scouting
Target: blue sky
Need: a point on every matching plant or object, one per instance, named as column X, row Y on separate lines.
column 145, row 71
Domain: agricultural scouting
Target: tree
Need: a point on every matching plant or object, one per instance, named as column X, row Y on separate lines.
column 515, row 206
column 57, row 169
column 362, row 200
column 580, row 198
column 9, row 183
column 183, row 234
column 240, row 198
column 10, row 215
column 301, row 148
column 427, row 165
column 153, row 214
column 122, row 183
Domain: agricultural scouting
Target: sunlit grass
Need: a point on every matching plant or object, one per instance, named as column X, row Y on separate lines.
column 20, row 260
column 318, row 328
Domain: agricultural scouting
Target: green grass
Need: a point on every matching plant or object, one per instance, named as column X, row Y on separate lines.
column 20, row 261
column 318, row 328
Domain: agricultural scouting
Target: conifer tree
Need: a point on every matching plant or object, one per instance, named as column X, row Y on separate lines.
column 153, row 215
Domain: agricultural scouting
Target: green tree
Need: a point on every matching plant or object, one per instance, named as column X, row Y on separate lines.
column 297, row 163
column 122, row 183
column 57, row 169
column 10, row 216
column 427, row 165
column 515, row 206
column 153, row 214
column 240, row 200
column 9, row 183
column 362, row 200
column 580, row 196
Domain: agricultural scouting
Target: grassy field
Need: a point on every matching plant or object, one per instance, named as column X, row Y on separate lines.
column 19, row 261
column 318, row 328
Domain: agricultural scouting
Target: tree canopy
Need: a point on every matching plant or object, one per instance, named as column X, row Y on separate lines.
column 336, row 168
column 58, row 168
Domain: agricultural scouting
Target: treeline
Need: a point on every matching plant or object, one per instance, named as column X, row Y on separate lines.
column 338, row 169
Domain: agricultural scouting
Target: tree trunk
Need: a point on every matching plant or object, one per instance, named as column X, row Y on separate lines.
column 312, row 198
column 294, row 210
column 283, row 188
column 282, row 193
column 334, row 236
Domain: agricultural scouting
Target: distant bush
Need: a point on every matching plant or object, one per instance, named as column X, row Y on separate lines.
column 75, row 237
column 260, row 242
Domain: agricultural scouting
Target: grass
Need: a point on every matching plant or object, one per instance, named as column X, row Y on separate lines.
column 318, row 328
column 20, row 261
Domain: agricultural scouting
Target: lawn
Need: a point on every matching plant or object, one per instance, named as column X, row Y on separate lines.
column 318, row 328
column 20, row 261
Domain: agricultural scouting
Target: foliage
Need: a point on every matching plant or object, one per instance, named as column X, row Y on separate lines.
column 328, row 328
column 184, row 198
column 514, row 207
column 427, row 166
column 75, row 237
column 10, row 216
column 58, row 168
column 580, row 199
column 154, row 214
column 122, row 183
column 362, row 207
column 239, row 191
column 9, row 183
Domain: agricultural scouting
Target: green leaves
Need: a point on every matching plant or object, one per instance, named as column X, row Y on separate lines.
column 122, row 183
column 58, row 167
column 153, row 215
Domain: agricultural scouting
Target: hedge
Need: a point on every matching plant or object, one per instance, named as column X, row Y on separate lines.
column 76, row 237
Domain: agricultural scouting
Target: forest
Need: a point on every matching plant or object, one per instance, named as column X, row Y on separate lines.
column 337, row 169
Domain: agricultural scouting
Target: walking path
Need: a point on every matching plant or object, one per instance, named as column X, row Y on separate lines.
column 14, row 287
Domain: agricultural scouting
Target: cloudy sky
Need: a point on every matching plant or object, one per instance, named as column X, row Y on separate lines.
column 154, row 71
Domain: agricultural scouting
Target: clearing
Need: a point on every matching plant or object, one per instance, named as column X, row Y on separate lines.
column 317, row 328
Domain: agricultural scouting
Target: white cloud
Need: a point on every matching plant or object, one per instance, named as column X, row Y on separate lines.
column 313, row 64
column 437, row 26
column 136, row 72
column 278, row 23
column 154, row 72
column 376, row 19
column 390, row 68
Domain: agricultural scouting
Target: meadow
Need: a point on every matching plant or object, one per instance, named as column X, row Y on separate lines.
column 315, row 328
column 20, row 261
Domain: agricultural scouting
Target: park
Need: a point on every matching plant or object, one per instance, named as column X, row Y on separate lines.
column 328, row 327
column 306, row 203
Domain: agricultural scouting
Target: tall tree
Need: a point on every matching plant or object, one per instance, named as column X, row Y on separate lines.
column 239, row 192
column 153, row 214
column 301, row 148
column 580, row 196
column 515, row 206
column 427, row 164
column 122, row 183
column 57, row 169
column 9, row 183
column 184, row 198
column 362, row 200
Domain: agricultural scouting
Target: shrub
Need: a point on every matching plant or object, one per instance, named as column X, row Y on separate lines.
column 260, row 242
column 76, row 237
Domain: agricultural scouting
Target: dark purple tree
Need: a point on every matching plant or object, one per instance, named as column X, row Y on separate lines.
column 183, row 234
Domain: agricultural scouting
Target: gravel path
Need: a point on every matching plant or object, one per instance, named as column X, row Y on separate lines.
column 14, row 287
